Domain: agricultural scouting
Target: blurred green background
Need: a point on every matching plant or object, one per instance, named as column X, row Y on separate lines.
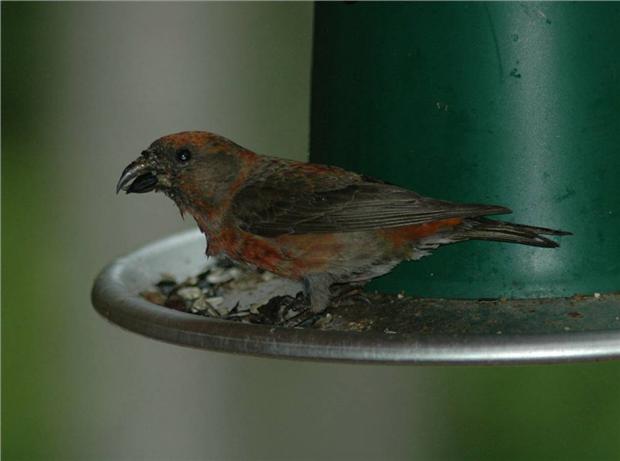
column 85, row 87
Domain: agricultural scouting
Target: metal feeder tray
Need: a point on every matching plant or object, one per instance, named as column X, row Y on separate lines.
column 403, row 330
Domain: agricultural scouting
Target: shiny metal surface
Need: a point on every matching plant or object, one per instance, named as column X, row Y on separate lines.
column 443, row 340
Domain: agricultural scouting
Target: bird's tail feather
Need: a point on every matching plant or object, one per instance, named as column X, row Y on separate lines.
column 500, row 231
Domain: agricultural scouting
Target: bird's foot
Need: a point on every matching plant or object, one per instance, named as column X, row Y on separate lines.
column 305, row 318
column 349, row 294
column 289, row 312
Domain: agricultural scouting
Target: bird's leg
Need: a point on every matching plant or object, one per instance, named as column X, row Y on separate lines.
column 317, row 287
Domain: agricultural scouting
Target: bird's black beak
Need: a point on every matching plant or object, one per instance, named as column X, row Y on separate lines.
column 139, row 177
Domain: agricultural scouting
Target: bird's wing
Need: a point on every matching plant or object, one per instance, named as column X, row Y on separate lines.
column 296, row 204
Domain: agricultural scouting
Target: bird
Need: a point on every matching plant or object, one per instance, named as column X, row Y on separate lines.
column 327, row 227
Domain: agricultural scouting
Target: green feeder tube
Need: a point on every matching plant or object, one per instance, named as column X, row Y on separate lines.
column 515, row 104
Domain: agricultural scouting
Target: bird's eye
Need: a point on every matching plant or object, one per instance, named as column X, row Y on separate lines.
column 184, row 155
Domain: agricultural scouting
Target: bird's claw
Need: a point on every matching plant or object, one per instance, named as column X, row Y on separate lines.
column 305, row 318
column 350, row 295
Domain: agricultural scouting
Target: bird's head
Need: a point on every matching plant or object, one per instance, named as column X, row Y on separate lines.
column 192, row 168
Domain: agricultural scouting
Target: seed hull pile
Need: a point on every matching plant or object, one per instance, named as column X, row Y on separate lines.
column 216, row 291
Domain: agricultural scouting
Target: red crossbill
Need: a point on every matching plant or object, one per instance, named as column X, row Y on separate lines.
column 319, row 224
